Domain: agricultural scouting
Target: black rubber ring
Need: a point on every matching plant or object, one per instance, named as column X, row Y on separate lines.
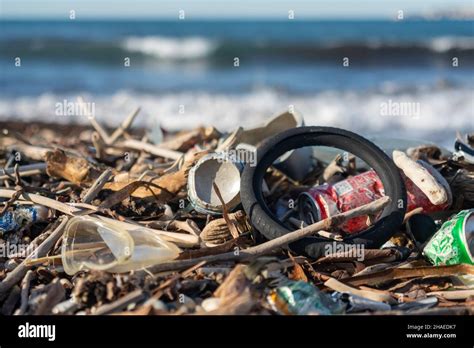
column 262, row 219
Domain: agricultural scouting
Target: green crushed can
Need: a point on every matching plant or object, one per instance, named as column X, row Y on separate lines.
column 453, row 243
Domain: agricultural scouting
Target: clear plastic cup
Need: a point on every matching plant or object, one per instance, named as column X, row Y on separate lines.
column 97, row 243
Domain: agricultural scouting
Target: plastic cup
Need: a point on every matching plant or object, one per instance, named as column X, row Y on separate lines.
column 97, row 243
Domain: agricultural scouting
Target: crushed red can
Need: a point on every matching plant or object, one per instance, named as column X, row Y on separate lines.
column 323, row 201
column 326, row 200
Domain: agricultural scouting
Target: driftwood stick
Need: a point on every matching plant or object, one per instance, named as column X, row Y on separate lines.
column 48, row 202
column 26, row 170
column 402, row 273
column 36, row 153
column 97, row 186
column 11, row 300
column 20, row 271
column 99, row 145
column 124, row 126
column 121, row 303
column 150, row 148
column 453, row 294
column 25, row 291
column 279, row 242
column 103, row 134
column 54, row 295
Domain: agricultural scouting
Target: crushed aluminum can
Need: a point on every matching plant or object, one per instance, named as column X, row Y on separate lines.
column 222, row 170
column 302, row 298
column 323, row 201
column 326, row 200
column 22, row 215
column 454, row 242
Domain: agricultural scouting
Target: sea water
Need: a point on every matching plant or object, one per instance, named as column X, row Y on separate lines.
column 359, row 75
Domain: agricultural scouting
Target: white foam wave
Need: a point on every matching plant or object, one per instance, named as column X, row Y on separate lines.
column 438, row 44
column 170, row 48
column 436, row 115
column 446, row 43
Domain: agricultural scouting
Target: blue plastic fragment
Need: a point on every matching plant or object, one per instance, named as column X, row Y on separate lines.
column 13, row 220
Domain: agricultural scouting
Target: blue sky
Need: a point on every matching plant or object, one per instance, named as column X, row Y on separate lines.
column 222, row 9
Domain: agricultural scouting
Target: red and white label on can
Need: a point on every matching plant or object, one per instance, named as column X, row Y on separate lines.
column 353, row 192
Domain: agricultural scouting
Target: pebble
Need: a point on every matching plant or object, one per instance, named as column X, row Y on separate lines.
column 211, row 304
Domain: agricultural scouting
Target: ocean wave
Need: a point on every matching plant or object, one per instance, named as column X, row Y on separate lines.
column 191, row 48
column 440, row 44
column 447, row 43
column 436, row 114
column 171, row 48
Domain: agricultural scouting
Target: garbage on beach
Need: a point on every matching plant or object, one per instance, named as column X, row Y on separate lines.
column 20, row 216
column 426, row 188
column 214, row 169
column 296, row 163
column 97, row 244
column 355, row 303
column 301, row 298
column 454, row 242
column 464, row 149
column 129, row 229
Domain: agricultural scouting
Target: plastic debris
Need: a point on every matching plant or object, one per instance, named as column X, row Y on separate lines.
column 301, row 298
column 94, row 244
column 355, row 303
column 216, row 169
column 296, row 163
column 20, row 216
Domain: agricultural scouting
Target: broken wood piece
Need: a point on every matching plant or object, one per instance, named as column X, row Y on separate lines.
column 150, row 148
column 25, row 170
column 422, row 178
column 35, row 153
column 184, row 141
column 124, row 126
column 99, row 145
column 11, row 301
column 162, row 188
column 75, row 169
column 20, row 271
column 101, row 131
column 97, row 186
column 336, row 285
column 401, row 273
column 188, row 226
column 453, row 294
column 25, row 290
column 54, row 295
column 234, row 294
column 121, row 303
column 231, row 224
column 47, row 202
